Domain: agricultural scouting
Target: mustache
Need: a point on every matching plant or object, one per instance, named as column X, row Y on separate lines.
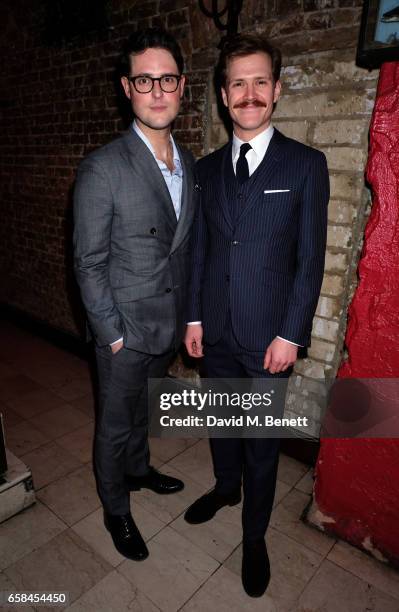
column 250, row 101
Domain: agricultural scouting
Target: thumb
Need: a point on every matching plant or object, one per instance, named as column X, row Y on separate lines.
column 268, row 358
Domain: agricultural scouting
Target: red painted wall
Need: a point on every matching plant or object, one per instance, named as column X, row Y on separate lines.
column 357, row 481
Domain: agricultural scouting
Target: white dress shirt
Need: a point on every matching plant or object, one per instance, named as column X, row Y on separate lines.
column 259, row 146
column 254, row 156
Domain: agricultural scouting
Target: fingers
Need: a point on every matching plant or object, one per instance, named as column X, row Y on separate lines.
column 279, row 366
column 194, row 348
column 193, row 341
column 279, row 356
column 115, row 348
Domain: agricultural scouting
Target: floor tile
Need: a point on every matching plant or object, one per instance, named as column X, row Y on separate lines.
column 24, row 437
column 6, row 371
column 10, row 418
column 60, row 421
column 286, row 517
column 92, row 530
column 49, row 463
column 365, row 567
column 113, row 594
column 290, row 470
column 167, row 507
column 75, row 388
column 73, row 497
column 306, row 483
column 79, row 442
column 26, row 531
column 33, row 403
column 217, row 537
column 333, row 589
column 282, row 489
column 65, row 563
column 82, row 367
column 223, row 592
column 171, row 574
column 167, row 448
column 292, row 566
column 17, row 386
column 7, row 586
column 49, row 374
column 196, row 462
column 85, row 404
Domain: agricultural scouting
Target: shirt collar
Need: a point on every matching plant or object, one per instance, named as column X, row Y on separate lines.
column 176, row 156
column 259, row 144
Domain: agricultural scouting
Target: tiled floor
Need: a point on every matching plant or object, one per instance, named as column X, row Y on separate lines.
column 61, row 544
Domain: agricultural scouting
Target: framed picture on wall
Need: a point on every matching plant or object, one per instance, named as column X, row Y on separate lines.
column 379, row 33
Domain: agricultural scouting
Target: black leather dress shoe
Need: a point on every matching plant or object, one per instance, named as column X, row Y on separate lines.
column 126, row 536
column 206, row 506
column 255, row 568
column 154, row 480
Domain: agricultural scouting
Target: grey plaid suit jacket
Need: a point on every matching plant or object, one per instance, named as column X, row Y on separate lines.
column 131, row 256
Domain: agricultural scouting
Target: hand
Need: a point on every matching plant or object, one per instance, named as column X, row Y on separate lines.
column 193, row 340
column 116, row 347
column 279, row 356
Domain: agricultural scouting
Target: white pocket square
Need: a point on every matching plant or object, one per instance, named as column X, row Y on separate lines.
column 276, row 190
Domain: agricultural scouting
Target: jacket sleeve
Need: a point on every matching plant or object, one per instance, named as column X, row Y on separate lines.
column 93, row 215
column 311, row 245
column 199, row 248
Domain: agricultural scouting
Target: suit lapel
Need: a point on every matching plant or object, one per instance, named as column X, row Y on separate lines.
column 147, row 169
column 187, row 202
column 264, row 173
column 219, row 183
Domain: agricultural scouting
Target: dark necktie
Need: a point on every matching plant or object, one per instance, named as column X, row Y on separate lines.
column 242, row 170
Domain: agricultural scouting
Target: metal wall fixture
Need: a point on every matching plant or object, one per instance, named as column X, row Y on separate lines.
column 226, row 18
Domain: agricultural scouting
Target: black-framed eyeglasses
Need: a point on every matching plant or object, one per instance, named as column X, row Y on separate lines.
column 144, row 83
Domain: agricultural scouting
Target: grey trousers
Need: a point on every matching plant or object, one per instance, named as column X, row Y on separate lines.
column 121, row 438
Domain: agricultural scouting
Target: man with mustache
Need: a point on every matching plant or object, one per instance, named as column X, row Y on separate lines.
column 259, row 244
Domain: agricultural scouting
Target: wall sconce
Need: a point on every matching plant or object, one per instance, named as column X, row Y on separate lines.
column 225, row 19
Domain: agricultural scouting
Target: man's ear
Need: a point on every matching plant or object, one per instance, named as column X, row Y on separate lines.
column 224, row 96
column 277, row 91
column 126, row 86
column 182, row 85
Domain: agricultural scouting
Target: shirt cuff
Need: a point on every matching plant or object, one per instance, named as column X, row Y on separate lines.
column 194, row 323
column 115, row 341
column 289, row 341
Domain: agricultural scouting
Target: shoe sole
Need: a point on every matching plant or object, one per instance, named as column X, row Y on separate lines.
column 157, row 492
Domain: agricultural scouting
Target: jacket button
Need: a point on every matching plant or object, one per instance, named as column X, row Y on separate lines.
column 153, row 231
column 168, row 290
column 228, row 278
column 240, row 196
column 235, row 242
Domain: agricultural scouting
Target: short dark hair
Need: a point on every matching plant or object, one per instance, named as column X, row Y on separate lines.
column 150, row 38
column 240, row 45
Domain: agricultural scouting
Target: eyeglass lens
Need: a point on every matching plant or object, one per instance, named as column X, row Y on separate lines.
column 144, row 84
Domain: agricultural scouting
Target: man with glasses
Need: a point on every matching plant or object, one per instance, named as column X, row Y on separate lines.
column 134, row 206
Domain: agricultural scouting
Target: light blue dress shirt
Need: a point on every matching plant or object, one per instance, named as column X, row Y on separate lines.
column 173, row 180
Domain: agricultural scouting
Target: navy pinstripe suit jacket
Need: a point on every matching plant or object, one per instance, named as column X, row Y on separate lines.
column 266, row 266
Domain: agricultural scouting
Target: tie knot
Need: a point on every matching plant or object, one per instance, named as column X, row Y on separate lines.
column 244, row 149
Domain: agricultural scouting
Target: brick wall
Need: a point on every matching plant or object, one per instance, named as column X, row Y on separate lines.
column 58, row 103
